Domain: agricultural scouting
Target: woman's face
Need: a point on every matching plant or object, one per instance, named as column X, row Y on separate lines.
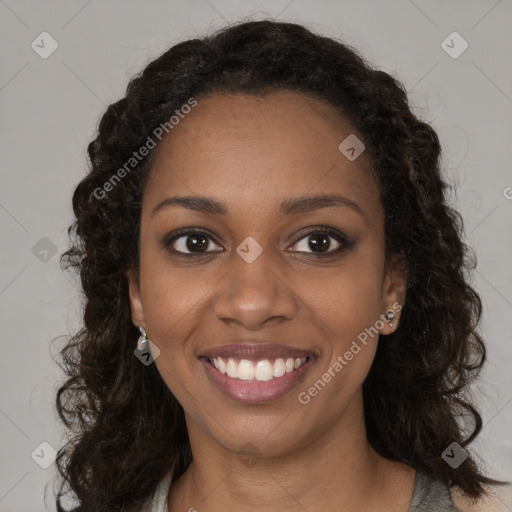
column 261, row 274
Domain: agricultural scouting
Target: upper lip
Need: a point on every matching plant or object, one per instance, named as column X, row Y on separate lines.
column 255, row 351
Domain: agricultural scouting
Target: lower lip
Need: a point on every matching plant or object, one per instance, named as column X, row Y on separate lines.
column 254, row 391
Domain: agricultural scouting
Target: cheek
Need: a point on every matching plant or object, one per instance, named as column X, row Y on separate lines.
column 347, row 323
column 345, row 309
column 172, row 295
column 173, row 300
column 347, row 301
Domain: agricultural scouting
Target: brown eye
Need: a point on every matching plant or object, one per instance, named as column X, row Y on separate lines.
column 195, row 243
column 191, row 242
column 322, row 242
column 319, row 242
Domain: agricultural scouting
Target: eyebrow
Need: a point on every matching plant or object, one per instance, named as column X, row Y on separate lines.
column 298, row 205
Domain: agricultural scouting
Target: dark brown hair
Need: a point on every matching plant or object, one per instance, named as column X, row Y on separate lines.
column 128, row 429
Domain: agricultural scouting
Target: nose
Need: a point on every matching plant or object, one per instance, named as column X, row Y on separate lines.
column 254, row 295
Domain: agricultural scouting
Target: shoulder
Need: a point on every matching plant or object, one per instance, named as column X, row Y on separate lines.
column 494, row 500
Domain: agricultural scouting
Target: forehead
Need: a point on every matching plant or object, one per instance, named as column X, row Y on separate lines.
column 248, row 150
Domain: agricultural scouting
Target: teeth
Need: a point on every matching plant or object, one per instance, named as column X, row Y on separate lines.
column 279, row 367
column 220, row 365
column 246, row 370
column 262, row 370
column 232, row 369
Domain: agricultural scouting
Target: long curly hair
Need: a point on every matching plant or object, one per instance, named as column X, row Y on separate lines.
column 127, row 429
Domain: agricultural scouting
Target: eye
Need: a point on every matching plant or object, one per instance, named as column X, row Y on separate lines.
column 319, row 241
column 189, row 241
column 197, row 242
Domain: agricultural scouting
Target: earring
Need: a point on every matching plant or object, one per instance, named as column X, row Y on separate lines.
column 390, row 315
column 143, row 339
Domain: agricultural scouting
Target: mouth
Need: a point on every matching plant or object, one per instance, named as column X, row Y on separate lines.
column 263, row 370
column 254, row 374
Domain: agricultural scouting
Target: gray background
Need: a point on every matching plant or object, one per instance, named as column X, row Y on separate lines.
column 49, row 112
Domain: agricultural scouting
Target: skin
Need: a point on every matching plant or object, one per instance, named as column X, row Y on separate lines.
column 253, row 153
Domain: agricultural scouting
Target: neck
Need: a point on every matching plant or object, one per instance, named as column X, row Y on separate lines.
column 337, row 470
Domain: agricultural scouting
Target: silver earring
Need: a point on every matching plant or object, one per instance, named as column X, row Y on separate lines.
column 143, row 339
column 390, row 315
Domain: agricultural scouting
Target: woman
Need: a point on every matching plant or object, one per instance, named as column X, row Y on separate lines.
column 277, row 315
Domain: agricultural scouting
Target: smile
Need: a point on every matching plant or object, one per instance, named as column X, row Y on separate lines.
column 256, row 373
column 263, row 370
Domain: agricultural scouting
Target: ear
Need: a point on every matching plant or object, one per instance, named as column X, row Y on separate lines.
column 135, row 299
column 394, row 288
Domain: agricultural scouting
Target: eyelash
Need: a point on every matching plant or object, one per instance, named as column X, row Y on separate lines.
column 185, row 232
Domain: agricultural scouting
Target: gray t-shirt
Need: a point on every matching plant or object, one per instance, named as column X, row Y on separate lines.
column 429, row 495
